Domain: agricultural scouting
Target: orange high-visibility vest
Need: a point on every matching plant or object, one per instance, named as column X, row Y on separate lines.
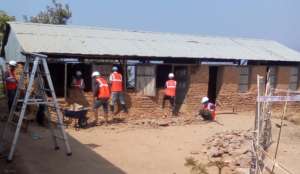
column 11, row 85
column 103, row 91
column 116, row 82
column 78, row 83
column 170, row 88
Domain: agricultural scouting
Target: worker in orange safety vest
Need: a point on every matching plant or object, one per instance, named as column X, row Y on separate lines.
column 170, row 92
column 11, row 82
column 101, row 95
column 78, row 82
column 208, row 109
column 116, row 84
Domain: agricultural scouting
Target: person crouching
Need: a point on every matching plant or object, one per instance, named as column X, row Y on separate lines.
column 101, row 95
column 208, row 109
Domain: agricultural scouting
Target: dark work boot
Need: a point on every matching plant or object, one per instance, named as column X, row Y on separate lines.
column 124, row 108
column 112, row 108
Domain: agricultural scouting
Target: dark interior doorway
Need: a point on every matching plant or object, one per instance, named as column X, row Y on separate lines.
column 212, row 83
column 57, row 71
column 181, row 76
column 162, row 72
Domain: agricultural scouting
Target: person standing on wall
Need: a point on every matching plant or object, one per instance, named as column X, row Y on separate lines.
column 101, row 94
column 170, row 92
column 77, row 90
column 116, row 83
column 78, row 82
column 11, row 82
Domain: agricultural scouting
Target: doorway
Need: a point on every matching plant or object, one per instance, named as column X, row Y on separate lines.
column 181, row 76
column 212, row 83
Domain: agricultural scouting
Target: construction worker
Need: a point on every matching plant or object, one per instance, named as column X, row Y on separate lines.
column 101, row 95
column 11, row 82
column 208, row 109
column 78, row 81
column 170, row 92
column 76, row 93
column 116, row 83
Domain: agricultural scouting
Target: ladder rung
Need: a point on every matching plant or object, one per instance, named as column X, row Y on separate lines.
column 49, row 90
column 59, row 137
column 30, row 100
column 46, row 103
column 44, row 74
column 13, row 123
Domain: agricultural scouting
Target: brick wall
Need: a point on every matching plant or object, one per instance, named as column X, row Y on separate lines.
column 197, row 88
column 229, row 97
column 227, row 90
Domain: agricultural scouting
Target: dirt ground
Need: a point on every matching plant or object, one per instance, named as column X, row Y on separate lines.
column 131, row 148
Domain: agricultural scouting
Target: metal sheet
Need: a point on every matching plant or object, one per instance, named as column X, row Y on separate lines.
column 102, row 41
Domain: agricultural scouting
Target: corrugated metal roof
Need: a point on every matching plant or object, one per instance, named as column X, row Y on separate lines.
column 102, row 41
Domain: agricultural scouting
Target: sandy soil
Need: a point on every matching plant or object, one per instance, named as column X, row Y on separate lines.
column 125, row 148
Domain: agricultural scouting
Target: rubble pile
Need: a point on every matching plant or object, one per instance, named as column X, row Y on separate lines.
column 232, row 147
column 164, row 122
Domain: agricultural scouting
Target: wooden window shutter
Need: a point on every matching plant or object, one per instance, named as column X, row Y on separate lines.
column 294, row 78
column 146, row 80
column 244, row 79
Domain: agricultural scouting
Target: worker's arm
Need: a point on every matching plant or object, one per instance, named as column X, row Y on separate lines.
column 96, row 89
column 9, row 78
column 110, row 79
column 82, row 84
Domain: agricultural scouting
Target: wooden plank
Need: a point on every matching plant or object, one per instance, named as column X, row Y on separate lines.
column 278, row 98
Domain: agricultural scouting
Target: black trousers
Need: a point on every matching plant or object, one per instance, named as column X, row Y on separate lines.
column 11, row 96
column 172, row 102
column 205, row 114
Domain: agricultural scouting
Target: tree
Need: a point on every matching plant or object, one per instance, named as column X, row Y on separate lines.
column 3, row 19
column 55, row 14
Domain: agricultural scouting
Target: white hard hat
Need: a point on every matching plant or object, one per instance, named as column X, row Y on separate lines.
column 78, row 73
column 204, row 100
column 114, row 68
column 171, row 75
column 12, row 63
column 95, row 73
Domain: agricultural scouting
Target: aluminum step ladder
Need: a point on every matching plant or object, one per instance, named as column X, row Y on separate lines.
column 36, row 70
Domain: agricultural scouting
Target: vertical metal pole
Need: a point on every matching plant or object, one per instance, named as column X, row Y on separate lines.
column 125, row 74
column 28, row 91
column 44, row 95
column 66, row 81
column 59, row 114
column 279, row 133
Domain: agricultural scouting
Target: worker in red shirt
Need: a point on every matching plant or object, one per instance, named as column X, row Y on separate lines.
column 116, row 84
column 170, row 92
column 78, row 82
column 11, row 82
column 101, row 95
column 208, row 109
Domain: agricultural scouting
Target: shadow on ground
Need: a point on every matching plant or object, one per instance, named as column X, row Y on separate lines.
column 36, row 156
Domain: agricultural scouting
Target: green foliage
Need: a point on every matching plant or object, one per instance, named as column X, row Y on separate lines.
column 196, row 167
column 55, row 14
column 3, row 19
column 200, row 168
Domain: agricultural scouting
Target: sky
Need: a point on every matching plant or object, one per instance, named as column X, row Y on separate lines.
column 277, row 20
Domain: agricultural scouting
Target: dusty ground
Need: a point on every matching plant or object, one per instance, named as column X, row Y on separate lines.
column 131, row 148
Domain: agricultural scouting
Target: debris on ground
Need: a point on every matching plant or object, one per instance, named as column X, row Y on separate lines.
column 233, row 147
column 164, row 122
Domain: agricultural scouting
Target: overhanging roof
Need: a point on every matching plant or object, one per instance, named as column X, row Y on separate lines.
column 67, row 39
